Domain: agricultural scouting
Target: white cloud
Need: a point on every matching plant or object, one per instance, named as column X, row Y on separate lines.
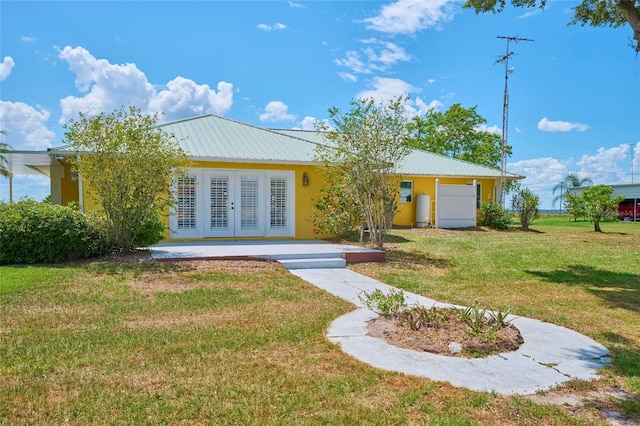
column 384, row 54
column 346, row 76
column 5, row 67
column 636, row 162
column 606, row 166
column 183, row 97
column 25, row 126
column 354, row 62
column 293, row 5
column 490, row 129
column 380, row 56
column 411, row 16
column 28, row 39
column 312, row 123
column 276, row 111
column 542, row 174
column 419, row 107
column 277, row 26
column 107, row 87
column 530, row 13
column 383, row 89
column 547, row 125
column 309, row 123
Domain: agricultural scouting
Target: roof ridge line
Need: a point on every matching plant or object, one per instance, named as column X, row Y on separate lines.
column 278, row 131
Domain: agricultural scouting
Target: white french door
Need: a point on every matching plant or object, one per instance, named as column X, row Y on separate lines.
column 234, row 203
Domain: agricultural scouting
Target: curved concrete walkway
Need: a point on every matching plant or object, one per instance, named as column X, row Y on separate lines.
column 550, row 355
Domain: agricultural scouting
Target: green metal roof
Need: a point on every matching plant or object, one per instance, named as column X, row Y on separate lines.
column 219, row 138
column 211, row 137
column 420, row 162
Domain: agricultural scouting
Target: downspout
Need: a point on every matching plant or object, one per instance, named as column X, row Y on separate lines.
column 80, row 197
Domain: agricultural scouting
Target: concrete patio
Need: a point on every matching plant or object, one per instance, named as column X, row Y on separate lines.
column 292, row 254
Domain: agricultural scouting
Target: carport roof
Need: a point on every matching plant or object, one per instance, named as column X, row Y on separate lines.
column 28, row 162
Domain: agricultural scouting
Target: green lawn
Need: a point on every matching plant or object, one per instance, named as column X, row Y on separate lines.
column 243, row 342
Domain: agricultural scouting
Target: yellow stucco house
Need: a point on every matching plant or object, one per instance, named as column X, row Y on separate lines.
column 251, row 182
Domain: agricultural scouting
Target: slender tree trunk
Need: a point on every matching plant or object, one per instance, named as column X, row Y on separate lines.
column 596, row 226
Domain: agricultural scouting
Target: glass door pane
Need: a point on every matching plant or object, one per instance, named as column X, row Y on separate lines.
column 219, row 218
column 249, row 202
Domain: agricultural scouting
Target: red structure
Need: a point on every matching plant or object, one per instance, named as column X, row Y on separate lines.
column 626, row 210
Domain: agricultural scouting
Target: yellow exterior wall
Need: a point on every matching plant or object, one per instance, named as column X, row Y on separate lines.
column 305, row 196
column 69, row 191
column 406, row 215
column 89, row 203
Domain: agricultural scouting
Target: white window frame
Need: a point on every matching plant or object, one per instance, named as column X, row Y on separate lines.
column 289, row 229
column 264, row 207
column 403, row 200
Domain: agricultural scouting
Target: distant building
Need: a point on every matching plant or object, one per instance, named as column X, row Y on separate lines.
column 631, row 194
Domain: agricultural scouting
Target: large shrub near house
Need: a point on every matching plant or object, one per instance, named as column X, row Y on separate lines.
column 34, row 232
column 494, row 216
column 130, row 169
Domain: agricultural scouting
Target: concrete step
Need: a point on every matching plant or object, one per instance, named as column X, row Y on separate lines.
column 322, row 263
column 292, row 255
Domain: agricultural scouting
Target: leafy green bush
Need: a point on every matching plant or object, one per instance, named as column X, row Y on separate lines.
column 336, row 212
column 34, row 232
column 494, row 215
column 151, row 232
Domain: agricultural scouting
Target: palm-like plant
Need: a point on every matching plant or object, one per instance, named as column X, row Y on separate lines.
column 4, row 164
column 572, row 180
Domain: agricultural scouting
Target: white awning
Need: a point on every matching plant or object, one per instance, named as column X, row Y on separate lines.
column 29, row 162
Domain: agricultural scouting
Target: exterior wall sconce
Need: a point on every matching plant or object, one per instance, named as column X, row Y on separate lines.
column 305, row 179
column 74, row 176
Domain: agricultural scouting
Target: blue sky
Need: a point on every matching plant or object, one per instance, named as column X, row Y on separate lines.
column 574, row 93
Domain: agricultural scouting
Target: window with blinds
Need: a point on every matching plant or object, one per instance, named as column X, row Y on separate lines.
column 219, row 202
column 186, row 210
column 278, row 202
column 248, row 202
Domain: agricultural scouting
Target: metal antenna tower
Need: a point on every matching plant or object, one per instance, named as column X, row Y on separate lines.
column 505, row 112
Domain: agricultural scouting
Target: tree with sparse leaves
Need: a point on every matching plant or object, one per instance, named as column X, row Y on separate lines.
column 457, row 133
column 129, row 164
column 527, row 204
column 367, row 145
column 597, row 204
column 597, row 13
